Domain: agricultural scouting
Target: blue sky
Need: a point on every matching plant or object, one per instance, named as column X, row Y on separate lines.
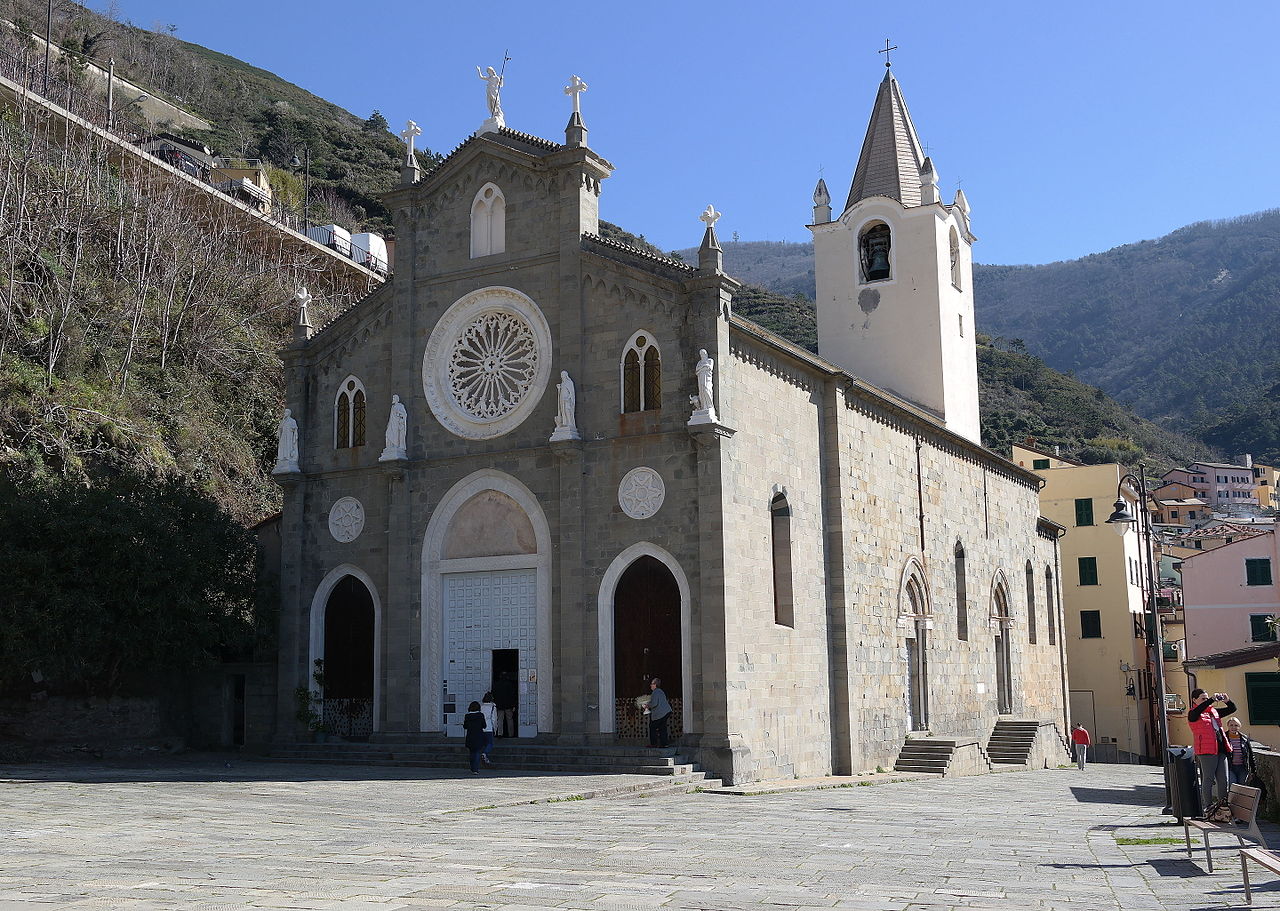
column 1074, row 128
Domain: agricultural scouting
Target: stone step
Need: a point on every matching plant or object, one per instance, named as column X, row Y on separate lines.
column 919, row 765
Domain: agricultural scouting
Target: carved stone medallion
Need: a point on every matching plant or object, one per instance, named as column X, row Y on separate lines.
column 346, row 520
column 487, row 363
column 641, row 493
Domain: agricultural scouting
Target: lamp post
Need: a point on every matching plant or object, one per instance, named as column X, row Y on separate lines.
column 1120, row 520
column 306, row 190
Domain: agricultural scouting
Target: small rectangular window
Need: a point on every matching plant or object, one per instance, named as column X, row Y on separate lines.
column 1260, row 630
column 1257, row 572
column 1090, row 624
column 1040, row 464
column 1262, row 695
column 1088, row 570
column 1084, row 511
column 1173, row 514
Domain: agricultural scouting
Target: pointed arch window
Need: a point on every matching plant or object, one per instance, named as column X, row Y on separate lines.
column 962, row 596
column 873, row 247
column 349, row 414
column 780, row 539
column 1031, row 604
column 488, row 222
column 1048, row 605
column 955, row 260
column 641, row 374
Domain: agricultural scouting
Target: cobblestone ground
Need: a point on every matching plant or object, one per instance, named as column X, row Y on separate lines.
column 204, row 837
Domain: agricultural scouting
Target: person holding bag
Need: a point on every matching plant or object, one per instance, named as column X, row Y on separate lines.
column 1211, row 746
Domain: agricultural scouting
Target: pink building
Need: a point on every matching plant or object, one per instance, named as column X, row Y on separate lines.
column 1228, row 594
column 1220, row 485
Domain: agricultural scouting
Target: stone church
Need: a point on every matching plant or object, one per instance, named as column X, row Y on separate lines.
column 594, row 472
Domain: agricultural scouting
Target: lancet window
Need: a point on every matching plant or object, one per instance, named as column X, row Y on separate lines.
column 349, row 414
column 780, row 538
column 488, row 222
column 641, row 374
column 962, row 595
column 955, row 260
column 1031, row 604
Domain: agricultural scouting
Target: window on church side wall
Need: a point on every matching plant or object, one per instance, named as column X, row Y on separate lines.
column 1031, row 604
column 780, row 539
column 641, row 375
column 962, row 596
column 955, row 263
column 488, row 222
column 874, row 250
column 1048, row 604
column 349, row 414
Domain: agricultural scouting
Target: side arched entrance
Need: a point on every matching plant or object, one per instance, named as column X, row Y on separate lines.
column 344, row 664
column 644, row 615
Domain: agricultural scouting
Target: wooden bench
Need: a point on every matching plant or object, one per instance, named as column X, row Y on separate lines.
column 1244, row 811
column 1263, row 858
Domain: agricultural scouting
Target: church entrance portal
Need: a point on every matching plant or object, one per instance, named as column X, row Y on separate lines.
column 917, row 679
column 646, row 644
column 1004, row 672
column 348, row 680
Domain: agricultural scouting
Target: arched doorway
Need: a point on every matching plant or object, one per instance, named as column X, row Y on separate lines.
column 915, row 617
column 348, row 669
column 646, row 644
column 1003, row 622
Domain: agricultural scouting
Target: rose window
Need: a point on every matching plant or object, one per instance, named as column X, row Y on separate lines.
column 493, row 365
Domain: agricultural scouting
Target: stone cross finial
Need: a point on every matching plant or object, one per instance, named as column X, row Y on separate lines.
column 574, row 90
column 303, row 297
column 710, row 217
column 410, row 130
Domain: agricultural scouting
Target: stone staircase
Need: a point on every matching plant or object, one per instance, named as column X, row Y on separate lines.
column 509, row 754
column 1012, row 741
column 925, row 754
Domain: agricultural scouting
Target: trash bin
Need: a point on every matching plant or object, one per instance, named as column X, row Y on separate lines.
column 1184, row 789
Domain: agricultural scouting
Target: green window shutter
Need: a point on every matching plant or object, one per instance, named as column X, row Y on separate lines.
column 1260, row 630
column 1088, row 570
column 1084, row 511
column 1262, row 692
column 1258, row 571
column 1090, row 624
column 1039, row 464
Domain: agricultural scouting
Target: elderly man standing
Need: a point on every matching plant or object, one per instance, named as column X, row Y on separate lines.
column 659, row 711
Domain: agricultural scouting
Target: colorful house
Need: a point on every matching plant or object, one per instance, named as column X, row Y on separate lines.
column 1229, row 594
column 1249, row 675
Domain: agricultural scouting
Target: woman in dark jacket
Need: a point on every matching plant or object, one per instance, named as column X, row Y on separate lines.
column 473, row 724
column 1240, row 763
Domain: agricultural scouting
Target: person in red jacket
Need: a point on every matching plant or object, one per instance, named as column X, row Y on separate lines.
column 1080, row 743
column 1212, row 750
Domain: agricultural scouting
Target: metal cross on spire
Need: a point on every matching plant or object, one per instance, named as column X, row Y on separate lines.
column 886, row 51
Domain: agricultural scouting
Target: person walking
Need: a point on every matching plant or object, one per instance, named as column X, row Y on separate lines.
column 473, row 724
column 1080, row 744
column 1212, row 749
column 659, row 712
column 1240, row 766
column 507, row 696
column 490, row 711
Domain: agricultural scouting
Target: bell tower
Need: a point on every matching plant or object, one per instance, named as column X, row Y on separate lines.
column 894, row 274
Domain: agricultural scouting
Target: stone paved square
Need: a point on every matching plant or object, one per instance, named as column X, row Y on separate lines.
column 206, row 837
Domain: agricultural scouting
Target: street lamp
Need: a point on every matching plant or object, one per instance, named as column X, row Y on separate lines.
column 1120, row 520
column 306, row 191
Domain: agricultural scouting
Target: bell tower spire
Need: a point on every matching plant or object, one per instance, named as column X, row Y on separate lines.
column 894, row 273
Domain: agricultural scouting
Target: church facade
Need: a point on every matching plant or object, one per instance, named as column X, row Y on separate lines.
column 594, row 472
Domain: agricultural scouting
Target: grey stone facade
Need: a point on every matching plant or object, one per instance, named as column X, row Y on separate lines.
column 877, row 490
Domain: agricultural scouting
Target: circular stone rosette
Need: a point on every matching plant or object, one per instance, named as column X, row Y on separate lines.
column 641, row 493
column 487, row 363
column 346, row 520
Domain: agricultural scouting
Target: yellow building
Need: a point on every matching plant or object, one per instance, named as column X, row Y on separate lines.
column 1249, row 675
column 1265, row 480
column 1110, row 681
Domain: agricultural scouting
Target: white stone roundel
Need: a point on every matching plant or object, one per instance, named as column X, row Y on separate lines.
column 487, row 363
column 346, row 520
column 641, row 493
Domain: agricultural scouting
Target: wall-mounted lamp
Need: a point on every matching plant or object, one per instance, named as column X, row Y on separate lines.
column 1129, row 689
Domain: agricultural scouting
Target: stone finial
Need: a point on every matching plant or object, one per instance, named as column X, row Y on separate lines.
column 575, row 132
column 821, row 203
column 962, row 202
column 710, row 256
column 409, row 171
column 929, row 183
column 302, row 328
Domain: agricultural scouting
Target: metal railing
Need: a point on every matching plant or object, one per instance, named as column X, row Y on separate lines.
column 128, row 124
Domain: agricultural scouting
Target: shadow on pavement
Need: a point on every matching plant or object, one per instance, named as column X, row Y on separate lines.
column 1138, row 795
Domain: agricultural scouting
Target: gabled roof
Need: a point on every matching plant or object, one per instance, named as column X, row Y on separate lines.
column 891, row 155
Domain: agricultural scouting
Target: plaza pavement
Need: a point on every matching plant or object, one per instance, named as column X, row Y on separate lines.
column 202, row 836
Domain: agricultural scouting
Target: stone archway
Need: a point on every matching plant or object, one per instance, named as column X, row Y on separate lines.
column 672, row 648
column 345, row 636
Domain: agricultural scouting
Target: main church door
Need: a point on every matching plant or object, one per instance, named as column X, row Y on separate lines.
column 646, row 644
column 348, row 659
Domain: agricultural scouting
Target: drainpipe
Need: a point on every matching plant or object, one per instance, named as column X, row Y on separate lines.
column 1062, row 635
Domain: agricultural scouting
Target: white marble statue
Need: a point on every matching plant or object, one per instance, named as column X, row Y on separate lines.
column 574, row 89
column 397, row 432
column 566, row 410
column 493, row 94
column 287, row 446
column 704, row 403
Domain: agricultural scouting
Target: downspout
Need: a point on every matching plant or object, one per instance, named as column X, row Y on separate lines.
column 1062, row 633
column 920, row 494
